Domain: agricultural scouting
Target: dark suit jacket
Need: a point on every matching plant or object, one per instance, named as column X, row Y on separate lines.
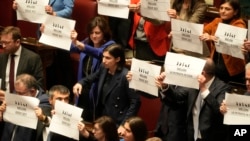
column 27, row 134
column 171, row 125
column 29, row 62
column 210, row 119
column 121, row 102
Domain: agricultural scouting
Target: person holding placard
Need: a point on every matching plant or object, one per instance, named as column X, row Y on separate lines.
column 225, row 64
column 104, row 130
column 61, row 93
column 114, row 97
column 191, row 11
column 56, row 8
column 149, row 37
column 90, row 49
column 27, row 85
column 223, row 107
column 246, row 50
column 201, row 118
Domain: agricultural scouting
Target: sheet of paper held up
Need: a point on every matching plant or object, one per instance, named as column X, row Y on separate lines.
column 143, row 78
column 183, row 70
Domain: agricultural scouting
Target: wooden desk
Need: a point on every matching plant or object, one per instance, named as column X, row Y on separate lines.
column 46, row 53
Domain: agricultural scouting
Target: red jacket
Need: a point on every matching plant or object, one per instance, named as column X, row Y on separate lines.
column 157, row 35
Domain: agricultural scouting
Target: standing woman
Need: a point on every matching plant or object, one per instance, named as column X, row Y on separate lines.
column 228, row 68
column 114, row 97
column 90, row 49
column 191, row 11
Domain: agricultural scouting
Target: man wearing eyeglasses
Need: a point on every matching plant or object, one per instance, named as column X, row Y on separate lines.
column 16, row 59
column 26, row 85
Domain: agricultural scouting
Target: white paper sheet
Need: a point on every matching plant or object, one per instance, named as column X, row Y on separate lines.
column 144, row 76
column 185, row 35
column 20, row 110
column 238, row 112
column 183, row 70
column 231, row 39
column 57, row 32
column 32, row 11
column 65, row 120
column 155, row 9
column 114, row 8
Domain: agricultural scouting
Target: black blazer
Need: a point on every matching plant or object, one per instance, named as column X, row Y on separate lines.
column 121, row 102
column 171, row 125
column 29, row 62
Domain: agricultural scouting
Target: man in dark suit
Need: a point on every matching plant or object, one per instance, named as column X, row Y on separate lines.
column 26, row 61
column 26, row 84
column 204, row 120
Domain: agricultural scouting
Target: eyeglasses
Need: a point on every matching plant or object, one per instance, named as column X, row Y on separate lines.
column 5, row 42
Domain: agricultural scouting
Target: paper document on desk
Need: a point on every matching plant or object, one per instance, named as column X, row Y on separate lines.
column 230, row 40
column 114, row 8
column 65, row 120
column 144, row 75
column 238, row 112
column 20, row 110
column 32, row 11
column 155, row 9
column 57, row 32
column 185, row 35
column 183, row 70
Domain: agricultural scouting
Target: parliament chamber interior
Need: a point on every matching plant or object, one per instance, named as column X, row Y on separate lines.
column 53, row 64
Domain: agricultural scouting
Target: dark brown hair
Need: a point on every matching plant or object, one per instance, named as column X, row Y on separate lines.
column 102, row 23
column 15, row 31
column 108, row 126
column 138, row 128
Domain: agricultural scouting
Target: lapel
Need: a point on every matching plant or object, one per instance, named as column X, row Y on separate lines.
column 22, row 61
column 114, row 81
column 51, row 2
column 192, row 96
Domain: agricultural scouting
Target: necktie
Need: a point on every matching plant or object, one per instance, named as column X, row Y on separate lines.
column 12, row 73
column 196, row 114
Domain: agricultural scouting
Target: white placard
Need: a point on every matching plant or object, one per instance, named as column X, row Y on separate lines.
column 183, row 70
column 57, row 32
column 65, row 120
column 186, row 35
column 155, row 9
column 32, row 10
column 144, row 76
column 230, row 40
column 114, row 8
column 20, row 110
column 238, row 112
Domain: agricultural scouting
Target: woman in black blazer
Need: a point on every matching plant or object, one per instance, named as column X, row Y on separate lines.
column 114, row 97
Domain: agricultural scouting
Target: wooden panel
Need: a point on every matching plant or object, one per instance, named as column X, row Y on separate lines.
column 83, row 12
